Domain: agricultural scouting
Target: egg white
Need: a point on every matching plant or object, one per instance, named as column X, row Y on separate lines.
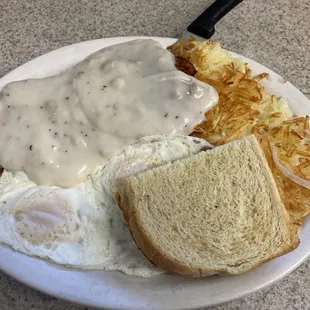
column 82, row 226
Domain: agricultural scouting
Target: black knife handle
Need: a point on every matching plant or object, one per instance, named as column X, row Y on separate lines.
column 204, row 25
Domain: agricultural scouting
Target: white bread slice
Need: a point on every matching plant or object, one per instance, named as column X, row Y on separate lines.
column 218, row 212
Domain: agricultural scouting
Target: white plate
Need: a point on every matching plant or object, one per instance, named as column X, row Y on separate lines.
column 116, row 290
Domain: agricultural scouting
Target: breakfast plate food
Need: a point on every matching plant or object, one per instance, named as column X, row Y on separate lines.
column 114, row 274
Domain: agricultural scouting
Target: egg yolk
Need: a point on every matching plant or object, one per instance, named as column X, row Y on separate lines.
column 45, row 217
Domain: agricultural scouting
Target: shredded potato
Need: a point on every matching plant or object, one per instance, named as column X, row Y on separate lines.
column 245, row 107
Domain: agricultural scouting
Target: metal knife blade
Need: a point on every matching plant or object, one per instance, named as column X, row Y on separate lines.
column 202, row 28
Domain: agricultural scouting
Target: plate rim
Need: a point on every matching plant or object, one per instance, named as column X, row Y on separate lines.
column 277, row 82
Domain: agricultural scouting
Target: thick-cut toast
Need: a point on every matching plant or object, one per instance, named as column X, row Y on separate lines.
column 218, row 212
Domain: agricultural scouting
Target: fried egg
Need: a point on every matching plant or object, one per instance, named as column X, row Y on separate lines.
column 82, row 226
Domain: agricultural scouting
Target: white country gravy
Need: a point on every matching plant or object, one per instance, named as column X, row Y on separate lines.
column 58, row 129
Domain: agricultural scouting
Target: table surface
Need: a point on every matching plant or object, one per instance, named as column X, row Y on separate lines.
column 272, row 32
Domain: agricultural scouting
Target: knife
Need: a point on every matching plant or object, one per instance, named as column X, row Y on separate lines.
column 203, row 27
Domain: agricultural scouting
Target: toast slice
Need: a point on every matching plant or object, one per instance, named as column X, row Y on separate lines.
column 218, row 212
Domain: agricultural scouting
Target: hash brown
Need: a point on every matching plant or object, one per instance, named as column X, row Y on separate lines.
column 245, row 107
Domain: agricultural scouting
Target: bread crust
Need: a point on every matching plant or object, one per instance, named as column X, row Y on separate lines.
column 165, row 261
column 168, row 263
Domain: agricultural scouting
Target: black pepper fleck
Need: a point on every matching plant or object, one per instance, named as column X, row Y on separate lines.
column 8, row 95
column 87, row 83
column 9, row 106
column 88, row 93
column 53, row 122
column 30, row 147
column 42, row 163
column 176, row 117
column 67, row 98
column 50, row 129
column 65, row 135
column 65, row 123
column 55, row 133
column 85, row 135
column 166, row 115
column 41, row 107
column 28, row 126
column 66, row 151
column 185, row 125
